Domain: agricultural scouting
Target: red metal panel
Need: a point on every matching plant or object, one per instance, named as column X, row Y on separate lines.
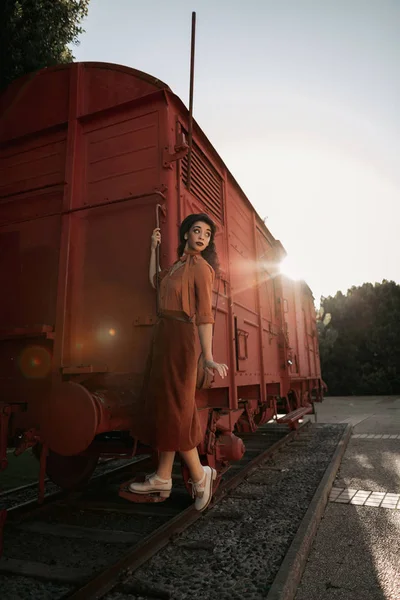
column 110, row 301
column 298, row 334
column 34, row 164
column 75, row 102
column 299, row 319
column 31, row 205
column 10, row 297
column 301, row 331
column 290, row 324
column 231, row 383
column 241, row 252
column 105, row 300
column 311, row 336
column 243, row 278
column 28, row 272
column 28, row 280
column 108, row 85
column 267, row 267
column 121, row 155
column 38, row 102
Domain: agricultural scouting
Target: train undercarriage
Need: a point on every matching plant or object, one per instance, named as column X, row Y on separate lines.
column 81, row 427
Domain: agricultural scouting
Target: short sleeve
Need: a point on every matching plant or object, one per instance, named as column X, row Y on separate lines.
column 203, row 284
column 161, row 275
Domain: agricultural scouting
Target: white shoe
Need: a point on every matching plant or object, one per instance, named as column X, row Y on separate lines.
column 153, row 483
column 202, row 490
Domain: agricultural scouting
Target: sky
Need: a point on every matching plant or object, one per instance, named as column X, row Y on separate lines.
column 301, row 100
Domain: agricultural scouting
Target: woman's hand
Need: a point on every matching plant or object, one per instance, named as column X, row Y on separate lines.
column 155, row 238
column 211, row 366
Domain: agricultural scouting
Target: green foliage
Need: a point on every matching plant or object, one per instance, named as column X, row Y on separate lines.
column 360, row 346
column 35, row 34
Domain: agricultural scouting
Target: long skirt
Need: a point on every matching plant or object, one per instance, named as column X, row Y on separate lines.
column 168, row 419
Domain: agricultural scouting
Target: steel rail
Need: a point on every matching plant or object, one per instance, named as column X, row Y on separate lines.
column 20, row 488
column 34, row 484
column 30, row 507
column 143, row 551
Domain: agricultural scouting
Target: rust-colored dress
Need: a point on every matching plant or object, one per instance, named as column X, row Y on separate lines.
column 169, row 420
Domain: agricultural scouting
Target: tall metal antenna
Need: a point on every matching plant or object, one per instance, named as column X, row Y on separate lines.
column 190, row 132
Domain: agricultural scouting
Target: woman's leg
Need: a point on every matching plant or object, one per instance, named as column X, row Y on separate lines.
column 202, row 478
column 165, row 464
column 192, row 460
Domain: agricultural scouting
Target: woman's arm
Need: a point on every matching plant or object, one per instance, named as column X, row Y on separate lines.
column 205, row 335
column 152, row 267
column 204, row 277
column 155, row 241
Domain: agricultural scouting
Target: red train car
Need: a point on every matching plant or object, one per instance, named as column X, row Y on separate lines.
column 92, row 155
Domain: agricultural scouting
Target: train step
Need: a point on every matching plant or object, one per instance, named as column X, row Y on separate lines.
column 293, row 417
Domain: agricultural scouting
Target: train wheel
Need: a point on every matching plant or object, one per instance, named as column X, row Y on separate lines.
column 205, row 460
column 36, row 451
column 68, row 472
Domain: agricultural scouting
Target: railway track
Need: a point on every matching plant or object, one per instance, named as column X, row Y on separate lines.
column 79, row 545
column 21, row 488
column 32, row 487
column 22, row 500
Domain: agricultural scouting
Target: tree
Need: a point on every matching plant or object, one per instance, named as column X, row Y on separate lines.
column 36, row 33
column 360, row 345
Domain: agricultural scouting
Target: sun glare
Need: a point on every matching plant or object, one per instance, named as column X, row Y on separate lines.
column 290, row 268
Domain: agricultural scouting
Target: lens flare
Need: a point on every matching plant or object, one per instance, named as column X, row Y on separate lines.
column 112, row 332
column 35, row 362
column 246, row 274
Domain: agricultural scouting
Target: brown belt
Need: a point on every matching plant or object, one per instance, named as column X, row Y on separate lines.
column 176, row 316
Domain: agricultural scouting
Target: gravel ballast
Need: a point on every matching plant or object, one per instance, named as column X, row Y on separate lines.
column 235, row 550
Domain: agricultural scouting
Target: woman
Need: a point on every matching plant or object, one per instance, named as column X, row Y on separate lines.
column 169, row 421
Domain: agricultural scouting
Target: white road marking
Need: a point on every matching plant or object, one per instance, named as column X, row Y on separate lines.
column 365, row 498
column 376, row 436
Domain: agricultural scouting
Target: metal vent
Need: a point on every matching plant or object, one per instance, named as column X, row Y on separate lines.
column 206, row 183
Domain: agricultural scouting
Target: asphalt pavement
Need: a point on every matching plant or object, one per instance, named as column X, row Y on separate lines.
column 356, row 552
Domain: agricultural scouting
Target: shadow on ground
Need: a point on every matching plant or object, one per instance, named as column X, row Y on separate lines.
column 356, row 553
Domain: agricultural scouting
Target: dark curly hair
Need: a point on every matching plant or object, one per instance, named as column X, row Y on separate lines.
column 210, row 253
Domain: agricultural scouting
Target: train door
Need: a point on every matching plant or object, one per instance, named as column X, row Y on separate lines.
column 110, row 305
column 244, row 284
column 293, row 325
